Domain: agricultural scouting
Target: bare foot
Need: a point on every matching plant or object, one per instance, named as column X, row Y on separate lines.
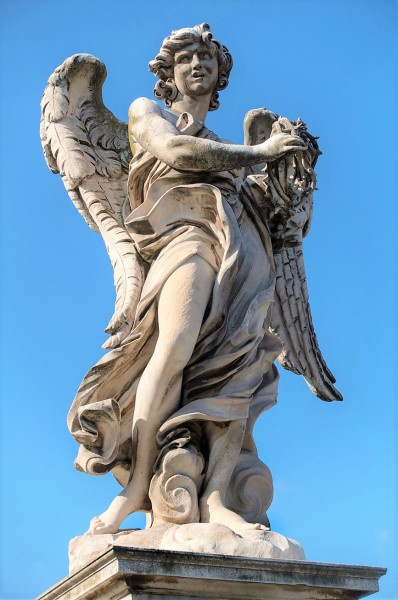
column 110, row 520
column 213, row 511
column 101, row 524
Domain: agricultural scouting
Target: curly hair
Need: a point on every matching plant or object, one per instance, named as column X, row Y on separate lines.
column 163, row 65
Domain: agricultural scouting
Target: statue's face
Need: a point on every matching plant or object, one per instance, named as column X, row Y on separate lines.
column 195, row 70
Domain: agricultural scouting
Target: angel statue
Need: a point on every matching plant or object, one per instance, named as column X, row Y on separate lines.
column 205, row 238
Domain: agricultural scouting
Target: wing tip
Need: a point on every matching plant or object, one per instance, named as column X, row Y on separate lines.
column 328, row 394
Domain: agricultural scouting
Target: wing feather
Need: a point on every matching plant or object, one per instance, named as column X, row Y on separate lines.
column 285, row 203
column 84, row 142
column 304, row 358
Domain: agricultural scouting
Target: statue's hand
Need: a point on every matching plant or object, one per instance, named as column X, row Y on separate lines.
column 279, row 144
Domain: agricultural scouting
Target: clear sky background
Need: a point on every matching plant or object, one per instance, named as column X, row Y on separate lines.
column 330, row 62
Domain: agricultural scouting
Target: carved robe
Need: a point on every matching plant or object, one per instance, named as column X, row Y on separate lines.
column 230, row 376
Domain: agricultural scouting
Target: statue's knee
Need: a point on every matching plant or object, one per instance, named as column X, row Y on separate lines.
column 175, row 354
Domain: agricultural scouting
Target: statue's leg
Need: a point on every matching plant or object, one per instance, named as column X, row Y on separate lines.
column 182, row 303
column 225, row 443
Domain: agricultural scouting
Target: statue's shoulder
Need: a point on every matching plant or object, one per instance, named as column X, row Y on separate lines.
column 143, row 106
column 143, row 109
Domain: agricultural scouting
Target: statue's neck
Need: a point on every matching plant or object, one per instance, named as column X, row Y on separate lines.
column 198, row 106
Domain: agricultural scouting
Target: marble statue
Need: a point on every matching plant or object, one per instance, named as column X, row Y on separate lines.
column 205, row 238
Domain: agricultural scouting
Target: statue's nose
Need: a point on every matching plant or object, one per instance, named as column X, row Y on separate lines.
column 196, row 64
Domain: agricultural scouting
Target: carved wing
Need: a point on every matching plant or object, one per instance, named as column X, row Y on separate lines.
column 286, row 202
column 84, row 142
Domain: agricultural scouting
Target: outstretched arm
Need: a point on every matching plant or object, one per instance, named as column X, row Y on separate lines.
column 152, row 131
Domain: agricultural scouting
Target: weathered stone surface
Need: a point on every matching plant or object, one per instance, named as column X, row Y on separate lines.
column 131, row 574
column 205, row 238
column 218, row 539
column 191, row 538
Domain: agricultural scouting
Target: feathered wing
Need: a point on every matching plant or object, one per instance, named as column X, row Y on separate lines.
column 285, row 201
column 84, row 142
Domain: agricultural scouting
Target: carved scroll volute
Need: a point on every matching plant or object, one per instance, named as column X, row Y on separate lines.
column 250, row 490
column 175, row 486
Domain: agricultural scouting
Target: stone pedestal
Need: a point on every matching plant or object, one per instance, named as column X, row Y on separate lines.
column 122, row 573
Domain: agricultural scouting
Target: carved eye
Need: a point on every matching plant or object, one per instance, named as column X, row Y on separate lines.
column 184, row 59
column 204, row 55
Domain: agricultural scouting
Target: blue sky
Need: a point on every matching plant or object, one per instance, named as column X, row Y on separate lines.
column 334, row 465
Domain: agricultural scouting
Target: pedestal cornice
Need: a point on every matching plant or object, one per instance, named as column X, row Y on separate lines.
column 127, row 573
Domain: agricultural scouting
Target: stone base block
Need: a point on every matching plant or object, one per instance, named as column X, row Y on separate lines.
column 122, row 573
